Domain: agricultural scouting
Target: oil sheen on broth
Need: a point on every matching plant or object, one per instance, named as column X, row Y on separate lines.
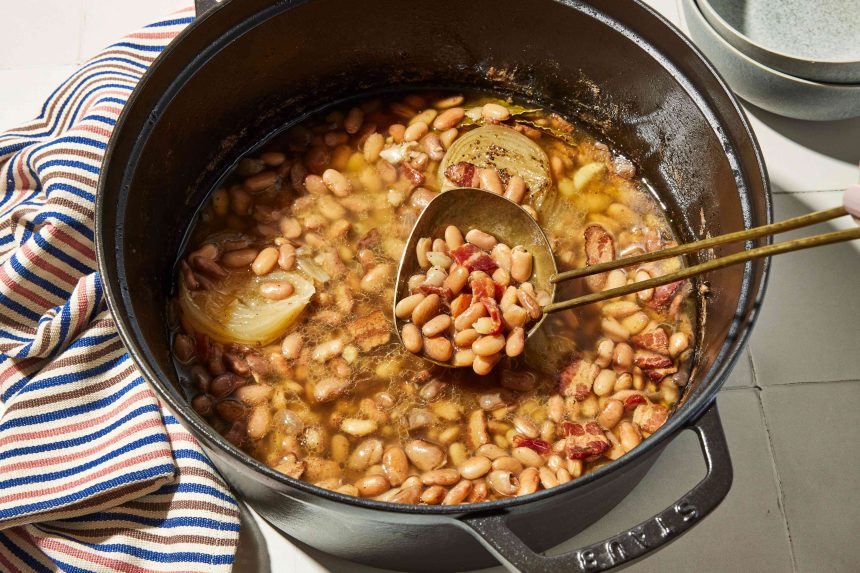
column 283, row 328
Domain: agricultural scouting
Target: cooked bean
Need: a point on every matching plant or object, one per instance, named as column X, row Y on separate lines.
column 508, row 463
column 529, row 303
column 265, row 261
column 415, row 131
column 475, row 467
column 456, row 279
column 261, row 181
column 448, row 136
column 605, row 382
column 529, row 480
column 548, row 477
column 678, row 343
column 516, row 342
column 469, row 316
column 395, row 465
column 253, row 394
column 629, row 435
column 425, row 455
column 220, row 202
column 290, row 227
column 449, row 101
column 422, row 247
column 291, row 347
column 457, row 493
column 622, row 357
column 434, row 495
column 376, row 278
column 354, row 119
column 481, row 239
column 448, row 118
column 528, row 457
column 669, row 390
column 239, row 258
column 358, row 427
column 526, row 427
column 365, row 454
column 483, row 365
column 231, row 410
column 636, row 323
column 438, row 348
column 327, row 350
column 624, row 382
column 503, row 482
column 202, row 404
column 372, row 146
column 478, row 429
column 259, row 422
column 488, row 180
column 276, row 290
column 286, row 256
column 611, row 414
column 495, row 112
column 426, row 309
column 315, row 185
column 620, row 308
column 437, row 325
column 614, row 330
column 328, row 389
column 521, row 264
column 465, row 338
column 409, row 495
column 515, row 316
column 336, row 182
column 488, row 345
column 406, row 305
column 647, row 294
column 516, row 189
column 371, row 486
column 444, row 476
column 412, row 339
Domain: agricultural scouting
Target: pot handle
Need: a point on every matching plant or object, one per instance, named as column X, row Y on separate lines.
column 492, row 531
column 201, row 7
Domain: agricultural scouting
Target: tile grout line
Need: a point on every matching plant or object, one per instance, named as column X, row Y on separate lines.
column 808, row 192
column 780, row 493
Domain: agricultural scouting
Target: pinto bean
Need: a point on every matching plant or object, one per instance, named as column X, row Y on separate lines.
column 469, row 316
column 448, row 118
column 290, row 227
column 265, row 261
column 239, row 258
column 438, row 348
column 494, row 112
column 503, row 482
column 276, row 290
column 409, row 495
column 548, row 477
column 516, row 189
column 483, row 365
column 376, row 278
column 327, row 350
column 475, row 467
column 529, row 303
column 481, row 239
column 434, row 495
column 458, row 493
column 406, row 305
column 488, row 180
column 605, row 382
column 477, row 427
column 425, row 455
column 202, row 404
column 629, row 435
column 678, row 343
column 443, row 476
column 328, row 389
column 526, row 427
column 253, row 394
column 337, row 182
column 395, row 464
column 521, row 264
column 516, row 342
column 412, row 339
column 315, row 185
column 437, row 325
column 372, row 486
column 259, row 422
column 365, row 454
column 456, row 279
column 611, row 414
column 488, row 345
column 415, row 131
column 426, row 309
column 352, row 122
column 358, row 427
column 622, row 357
column 291, row 347
column 374, row 143
column 528, row 457
column 286, row 256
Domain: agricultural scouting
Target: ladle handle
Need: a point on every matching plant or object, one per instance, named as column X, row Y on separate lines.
column 630, row 545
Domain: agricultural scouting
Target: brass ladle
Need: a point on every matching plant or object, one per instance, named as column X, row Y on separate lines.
column 468, row 209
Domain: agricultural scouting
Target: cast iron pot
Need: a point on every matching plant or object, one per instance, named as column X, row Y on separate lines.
column 246, row 68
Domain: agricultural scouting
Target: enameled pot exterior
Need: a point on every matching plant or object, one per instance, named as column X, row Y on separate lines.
column 247, row 68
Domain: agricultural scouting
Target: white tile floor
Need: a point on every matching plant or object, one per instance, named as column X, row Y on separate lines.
column 788, row 408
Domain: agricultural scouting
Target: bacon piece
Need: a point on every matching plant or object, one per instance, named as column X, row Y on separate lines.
column 444, row 292
column 585, row 440
column 461, row 173
column 633, row 401
column 370, row 331
column 657, row 374
column 577, row 377
column 599, row 248
column 482, row 286
column 663, row 294
column 460, row 304
column 540, row 446
column 647, row 360
column 481, row 262
column 463, row 253
column 414, row 176
column 653, row 340
column 494, row 313
column 649, row 417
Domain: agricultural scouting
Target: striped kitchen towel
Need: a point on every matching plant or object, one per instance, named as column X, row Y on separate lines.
column 94, row 474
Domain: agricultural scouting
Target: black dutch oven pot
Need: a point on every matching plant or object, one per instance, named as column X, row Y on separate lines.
column 246, row 68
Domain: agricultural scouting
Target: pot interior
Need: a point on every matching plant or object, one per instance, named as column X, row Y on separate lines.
column 249, row 68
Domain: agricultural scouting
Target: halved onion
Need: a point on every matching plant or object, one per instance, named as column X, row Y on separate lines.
column 234, row 311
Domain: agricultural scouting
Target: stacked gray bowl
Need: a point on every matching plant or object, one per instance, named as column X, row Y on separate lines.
column 795, row 58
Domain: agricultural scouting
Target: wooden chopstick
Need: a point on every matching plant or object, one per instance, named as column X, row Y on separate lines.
column 754, row 233
column 757, row 253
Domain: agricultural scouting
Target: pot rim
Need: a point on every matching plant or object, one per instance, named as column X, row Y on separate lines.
column 728, row 354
